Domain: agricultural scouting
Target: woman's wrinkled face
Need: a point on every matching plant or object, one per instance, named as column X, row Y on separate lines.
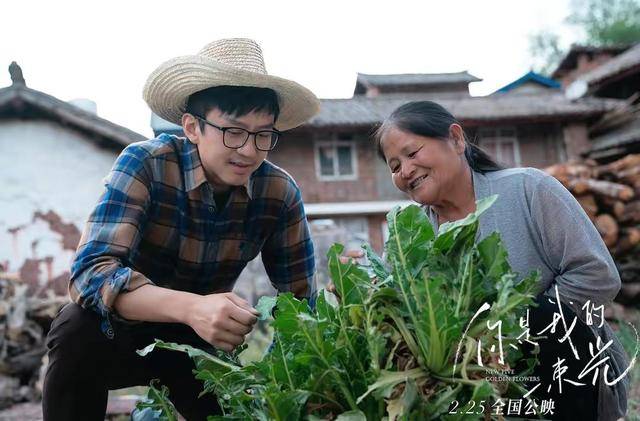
column 423, row 167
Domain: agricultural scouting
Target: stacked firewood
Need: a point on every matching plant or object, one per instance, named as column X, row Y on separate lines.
column 24, row 321
column 610, row 196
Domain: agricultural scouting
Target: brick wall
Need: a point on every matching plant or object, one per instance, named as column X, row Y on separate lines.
column 296, row 155
column 585, row 63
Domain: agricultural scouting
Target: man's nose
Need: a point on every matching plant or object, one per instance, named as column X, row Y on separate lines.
column 249, row 147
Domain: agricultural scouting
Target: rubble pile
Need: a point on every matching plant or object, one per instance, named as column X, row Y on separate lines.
column 24, row 323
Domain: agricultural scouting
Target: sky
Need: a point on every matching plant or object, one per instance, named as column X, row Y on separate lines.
column 104, row 51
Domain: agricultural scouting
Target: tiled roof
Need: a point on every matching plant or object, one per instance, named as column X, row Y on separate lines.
column 416, row 79
column 569, row 61
column 621, row 63
column 362, row 111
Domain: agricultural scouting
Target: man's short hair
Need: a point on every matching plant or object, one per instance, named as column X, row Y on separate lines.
column 233, row 100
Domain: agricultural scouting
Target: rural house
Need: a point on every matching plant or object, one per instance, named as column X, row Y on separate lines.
column 53, row 156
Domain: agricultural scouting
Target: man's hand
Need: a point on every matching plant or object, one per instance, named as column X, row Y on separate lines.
column 348, row 256
column 223, row 320
column 220, row 319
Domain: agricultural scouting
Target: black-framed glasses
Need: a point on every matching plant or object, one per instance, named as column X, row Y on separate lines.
column 236, row 137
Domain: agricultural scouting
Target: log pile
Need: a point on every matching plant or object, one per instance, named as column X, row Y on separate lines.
column 24, row 322
column 610, row 196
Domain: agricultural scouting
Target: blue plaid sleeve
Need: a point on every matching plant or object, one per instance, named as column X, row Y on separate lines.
column 288, row 253
column 100, row 270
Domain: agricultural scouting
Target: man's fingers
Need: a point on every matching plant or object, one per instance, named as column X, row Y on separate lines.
column 350, row 256
column 241, row 302
column 223, row 346
column 237, row 300
column 224, row 336
column 356, row 254
column 236, row 327
column 242, row 315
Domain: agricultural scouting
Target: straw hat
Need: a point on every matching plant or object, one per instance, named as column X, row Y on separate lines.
column 234, row 62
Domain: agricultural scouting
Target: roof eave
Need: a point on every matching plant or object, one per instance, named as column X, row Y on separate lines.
column 71, row 115
column 595, row 84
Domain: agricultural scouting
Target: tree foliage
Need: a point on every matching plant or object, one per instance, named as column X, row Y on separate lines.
column 601, row 22
column 545, row 50
column 607, row 22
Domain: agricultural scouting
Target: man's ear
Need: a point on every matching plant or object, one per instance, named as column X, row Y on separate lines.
column 457, row 135
column 191, row 128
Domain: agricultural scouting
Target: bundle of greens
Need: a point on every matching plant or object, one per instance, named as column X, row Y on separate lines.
column 411, row 337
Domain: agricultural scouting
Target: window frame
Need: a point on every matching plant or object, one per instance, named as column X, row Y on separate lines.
column 334, row 144
column 498, row 139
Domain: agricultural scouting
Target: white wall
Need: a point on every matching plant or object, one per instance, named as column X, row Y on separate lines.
column 45, row 167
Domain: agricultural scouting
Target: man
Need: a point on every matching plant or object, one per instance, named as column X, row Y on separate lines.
column 178, row 221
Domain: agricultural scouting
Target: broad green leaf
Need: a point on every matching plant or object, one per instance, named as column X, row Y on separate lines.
column 436, row 324
column 191, row 351
column 493, row 256
column 285, row 405
column 377, row 264
column 289, row 314
column 351, row 281
column 386, row 294
column 448, row 232
column 156, row 404
column 481, row 206
column 265, row 306
column 410, row 236
column 352, row 416
column 326, row 305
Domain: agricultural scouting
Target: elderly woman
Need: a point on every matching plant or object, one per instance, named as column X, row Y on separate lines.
column 542, row 227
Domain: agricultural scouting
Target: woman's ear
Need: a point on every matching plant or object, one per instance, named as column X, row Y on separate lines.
column 457, row 135
column 191, row 128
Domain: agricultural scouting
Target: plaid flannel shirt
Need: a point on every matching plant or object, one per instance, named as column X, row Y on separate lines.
column 157, row 223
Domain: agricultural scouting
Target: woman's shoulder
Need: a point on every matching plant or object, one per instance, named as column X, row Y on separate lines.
column 514, row 179
column 528, row 174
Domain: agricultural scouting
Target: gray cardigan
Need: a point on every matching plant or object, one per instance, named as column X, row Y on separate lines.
column 543, row 227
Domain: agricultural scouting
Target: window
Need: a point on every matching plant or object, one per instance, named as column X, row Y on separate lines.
column 336, row 160
column 501, row 144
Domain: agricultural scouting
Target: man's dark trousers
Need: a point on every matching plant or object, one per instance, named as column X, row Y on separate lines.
column 84, row 364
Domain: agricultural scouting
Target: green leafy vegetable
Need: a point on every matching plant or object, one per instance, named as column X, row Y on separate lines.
column 402, row 341
column 156, row 405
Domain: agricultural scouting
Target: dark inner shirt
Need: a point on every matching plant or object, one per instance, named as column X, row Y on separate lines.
column 221, row 199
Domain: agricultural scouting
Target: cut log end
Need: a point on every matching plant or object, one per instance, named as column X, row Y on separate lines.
column 608, row 229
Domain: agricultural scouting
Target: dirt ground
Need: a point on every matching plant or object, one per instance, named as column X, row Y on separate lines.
column 120, row 405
